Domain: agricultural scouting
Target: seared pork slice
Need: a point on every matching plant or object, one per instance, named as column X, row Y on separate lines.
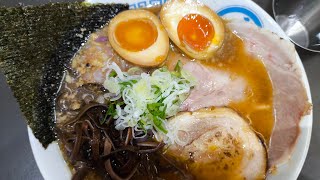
column 214, row 87
column 290, row 98
column 217, row 144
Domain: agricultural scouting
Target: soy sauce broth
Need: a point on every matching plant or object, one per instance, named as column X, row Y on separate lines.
column 256, row 107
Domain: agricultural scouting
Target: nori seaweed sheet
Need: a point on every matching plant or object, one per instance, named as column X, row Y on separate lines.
column 36, row 44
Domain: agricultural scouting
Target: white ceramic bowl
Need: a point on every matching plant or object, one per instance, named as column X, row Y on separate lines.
column 53, row 166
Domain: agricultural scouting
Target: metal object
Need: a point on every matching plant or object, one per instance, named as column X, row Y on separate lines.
column 300, row 20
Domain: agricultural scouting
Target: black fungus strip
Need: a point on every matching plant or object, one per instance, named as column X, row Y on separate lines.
column 36, row 44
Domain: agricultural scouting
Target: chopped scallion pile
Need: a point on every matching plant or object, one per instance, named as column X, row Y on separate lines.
column 149, row 99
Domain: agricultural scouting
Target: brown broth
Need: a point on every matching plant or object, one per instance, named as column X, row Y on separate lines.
column 257, row 107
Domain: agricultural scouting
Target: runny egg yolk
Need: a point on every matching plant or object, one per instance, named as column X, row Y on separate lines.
column 136, row 34
column 196, row 31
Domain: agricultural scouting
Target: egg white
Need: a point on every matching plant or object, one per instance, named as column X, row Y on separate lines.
column 152, row 56
column 174, row 10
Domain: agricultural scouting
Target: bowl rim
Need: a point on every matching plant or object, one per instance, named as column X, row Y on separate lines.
column 305, row 122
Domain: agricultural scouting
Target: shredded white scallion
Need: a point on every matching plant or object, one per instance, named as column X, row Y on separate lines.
column 148, row 99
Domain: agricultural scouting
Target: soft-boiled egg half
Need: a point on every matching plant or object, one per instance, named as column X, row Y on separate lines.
column 193, row 27
column 139, row 37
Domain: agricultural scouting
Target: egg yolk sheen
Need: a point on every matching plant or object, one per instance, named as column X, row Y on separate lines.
column 196, row 31
column 136, row 34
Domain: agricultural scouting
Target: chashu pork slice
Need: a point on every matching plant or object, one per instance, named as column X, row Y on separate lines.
column 290, row 97
column 217, row 144
column 214, row 88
